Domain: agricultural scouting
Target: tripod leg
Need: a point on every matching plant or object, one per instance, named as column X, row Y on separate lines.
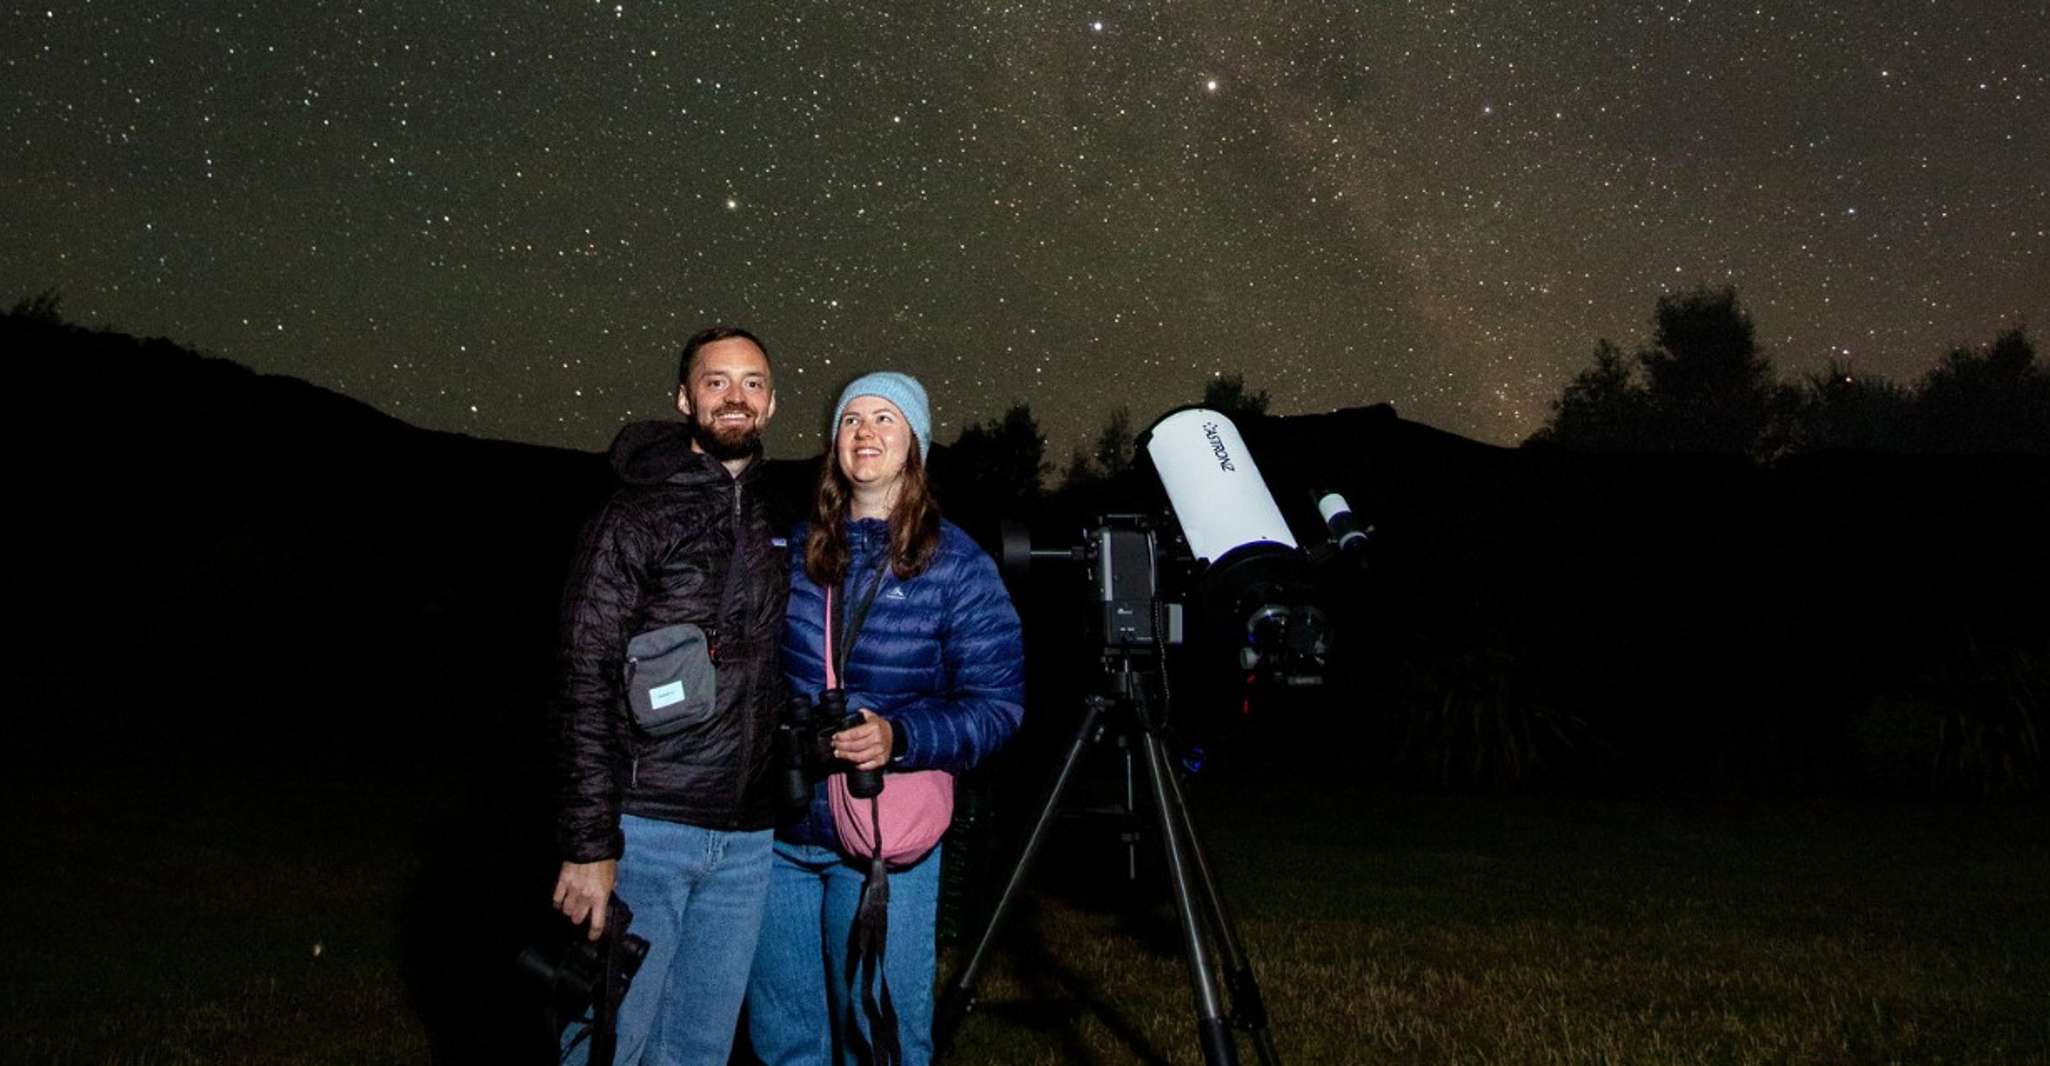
column 1212, row 1031
column 958, row 998
column 1249, row 1011
column 1130, row 833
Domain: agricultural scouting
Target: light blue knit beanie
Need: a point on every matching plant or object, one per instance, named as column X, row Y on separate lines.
column 903, row 390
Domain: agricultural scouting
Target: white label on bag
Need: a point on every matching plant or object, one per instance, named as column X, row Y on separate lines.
column 663, row 695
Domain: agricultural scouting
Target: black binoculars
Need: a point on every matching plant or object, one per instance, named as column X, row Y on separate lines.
column 804, row 748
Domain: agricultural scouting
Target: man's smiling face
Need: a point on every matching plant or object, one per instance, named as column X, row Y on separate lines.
column 729, row 398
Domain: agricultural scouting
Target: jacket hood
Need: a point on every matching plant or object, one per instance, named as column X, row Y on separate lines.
column 652, row 453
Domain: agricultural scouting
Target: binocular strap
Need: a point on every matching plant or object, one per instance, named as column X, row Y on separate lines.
column 867, row 940
column 869, row 934
column 838, row 649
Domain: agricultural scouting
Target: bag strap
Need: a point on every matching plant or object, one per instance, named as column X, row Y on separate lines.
column 838, row 650
column 868, row 937
column 868, row 934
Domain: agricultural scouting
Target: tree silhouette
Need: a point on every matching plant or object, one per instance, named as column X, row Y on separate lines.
column 1842, row 411
column 1114, row 443
column 1710, row 388
column 1706, row 388
column 42, row 307
column 1080, row 470
column 1994, row 400
column 994, row 468
column 1602, row 409
column 1226, row 394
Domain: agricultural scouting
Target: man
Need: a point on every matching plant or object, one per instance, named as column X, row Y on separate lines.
column 677, row 820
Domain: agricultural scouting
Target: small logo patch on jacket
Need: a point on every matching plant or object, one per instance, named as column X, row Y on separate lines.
column 896, row 593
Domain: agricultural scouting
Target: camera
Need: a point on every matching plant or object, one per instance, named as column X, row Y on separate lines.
column 579, row 975
column 804, row 749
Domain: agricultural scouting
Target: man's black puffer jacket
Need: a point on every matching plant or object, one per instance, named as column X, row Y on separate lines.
column 658, row 554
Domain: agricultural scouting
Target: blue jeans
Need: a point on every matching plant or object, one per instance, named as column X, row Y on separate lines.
column 697, row 897
column 799, row 994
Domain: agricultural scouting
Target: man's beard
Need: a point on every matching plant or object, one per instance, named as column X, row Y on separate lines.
column 736, row 442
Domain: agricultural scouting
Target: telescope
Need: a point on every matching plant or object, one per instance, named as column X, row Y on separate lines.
column 1217, row 543
column 1246, row 568
column 1230, row 552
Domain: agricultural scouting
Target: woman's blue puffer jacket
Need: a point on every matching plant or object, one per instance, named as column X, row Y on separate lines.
column 941, row 656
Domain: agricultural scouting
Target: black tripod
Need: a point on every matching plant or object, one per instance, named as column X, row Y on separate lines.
column 1189, row 874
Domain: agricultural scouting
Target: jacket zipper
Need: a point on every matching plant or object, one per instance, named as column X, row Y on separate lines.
column 746, row 732
column 633, row 752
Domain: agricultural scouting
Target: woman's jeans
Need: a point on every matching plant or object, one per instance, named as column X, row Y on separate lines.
column 800, row 994
column 696, row 896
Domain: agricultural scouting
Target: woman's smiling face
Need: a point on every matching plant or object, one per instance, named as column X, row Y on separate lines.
column 872, row 442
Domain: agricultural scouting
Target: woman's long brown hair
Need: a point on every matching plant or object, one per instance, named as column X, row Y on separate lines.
column 914, row 521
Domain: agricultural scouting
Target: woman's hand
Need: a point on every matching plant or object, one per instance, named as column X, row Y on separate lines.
column 867, row 745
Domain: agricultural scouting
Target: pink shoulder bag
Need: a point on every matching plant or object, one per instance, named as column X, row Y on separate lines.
column 912, row 812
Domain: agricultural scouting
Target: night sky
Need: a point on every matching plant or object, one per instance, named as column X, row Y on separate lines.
column 503, row 219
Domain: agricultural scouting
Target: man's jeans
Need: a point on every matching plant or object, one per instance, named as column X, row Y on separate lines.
column 697, row 897
column 799, row 995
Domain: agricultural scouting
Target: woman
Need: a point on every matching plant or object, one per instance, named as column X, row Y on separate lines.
column 936, row 670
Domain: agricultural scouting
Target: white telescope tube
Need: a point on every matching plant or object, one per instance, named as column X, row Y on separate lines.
column 1213, row 485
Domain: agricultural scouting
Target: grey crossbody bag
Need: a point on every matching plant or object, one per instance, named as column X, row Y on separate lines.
column 672, row 674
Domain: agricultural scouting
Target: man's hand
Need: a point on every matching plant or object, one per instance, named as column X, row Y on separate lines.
column 867, row 745
column 583, row 890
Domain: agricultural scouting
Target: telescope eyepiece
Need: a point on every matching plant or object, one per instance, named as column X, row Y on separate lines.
column 1344, row 526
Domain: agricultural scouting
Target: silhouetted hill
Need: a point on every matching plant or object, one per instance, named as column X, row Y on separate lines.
column 228, row 568
column 225, row 566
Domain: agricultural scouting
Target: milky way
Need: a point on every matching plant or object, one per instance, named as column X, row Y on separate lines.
column 503, row 219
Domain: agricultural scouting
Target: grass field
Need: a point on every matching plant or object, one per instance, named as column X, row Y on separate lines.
column 192, row 920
